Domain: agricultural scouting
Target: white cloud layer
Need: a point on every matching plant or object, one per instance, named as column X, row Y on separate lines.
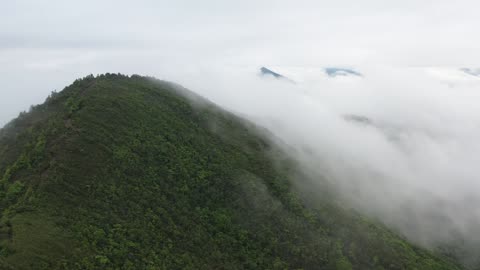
column 412, row 162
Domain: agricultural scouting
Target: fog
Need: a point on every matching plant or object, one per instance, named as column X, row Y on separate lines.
column 413, row 163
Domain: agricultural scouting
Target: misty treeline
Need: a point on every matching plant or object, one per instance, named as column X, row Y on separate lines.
column 397, row 144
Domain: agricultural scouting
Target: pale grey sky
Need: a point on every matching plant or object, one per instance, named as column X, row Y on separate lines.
column 45, row 45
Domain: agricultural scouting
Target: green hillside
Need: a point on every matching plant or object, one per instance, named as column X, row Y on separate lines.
column 118, row 172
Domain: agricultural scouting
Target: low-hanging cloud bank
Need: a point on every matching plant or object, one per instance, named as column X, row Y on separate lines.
column 399, row 144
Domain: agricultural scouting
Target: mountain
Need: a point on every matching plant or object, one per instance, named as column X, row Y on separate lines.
column 130, row 172
column 301, row 74
column 267, row 72
column 334, row 72
column 270, row 73
column 470, row 71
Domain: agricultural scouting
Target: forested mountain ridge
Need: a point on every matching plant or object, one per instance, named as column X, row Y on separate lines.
column 119, row 172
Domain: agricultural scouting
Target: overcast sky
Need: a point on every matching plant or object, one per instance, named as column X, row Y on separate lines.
column 45, row 45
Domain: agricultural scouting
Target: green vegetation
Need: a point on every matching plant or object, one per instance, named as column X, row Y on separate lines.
column 118, row 172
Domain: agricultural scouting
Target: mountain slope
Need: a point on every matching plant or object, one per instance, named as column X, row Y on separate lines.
column 267, row 72
column 335, row 72
column 119, row 172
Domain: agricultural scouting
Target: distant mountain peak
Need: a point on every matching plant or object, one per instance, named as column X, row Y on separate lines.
column 471, row 71
column 334, row 72
column 268, row 72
